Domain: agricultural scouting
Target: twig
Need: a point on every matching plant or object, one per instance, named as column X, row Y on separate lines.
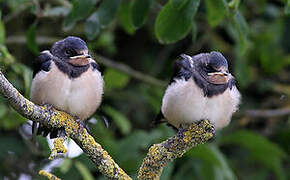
column 15, row 14
column 20, row 39
column 64, row 3
column 57, row 119
column 128, row 70
column 160, row 154
column 101, row 59
column 268, row 112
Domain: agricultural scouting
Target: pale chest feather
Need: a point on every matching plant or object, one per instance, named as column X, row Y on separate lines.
column 79, row 96
column 184, row 102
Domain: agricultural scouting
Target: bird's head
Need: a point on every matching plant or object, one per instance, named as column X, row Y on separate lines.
column 213, row 67
column 210, row 72
column 72, row 50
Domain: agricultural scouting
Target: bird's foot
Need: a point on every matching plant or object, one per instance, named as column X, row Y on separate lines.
column 57, row 133
column 48, row 106
column 207, row 126
column 106, row 122
column 81, row 124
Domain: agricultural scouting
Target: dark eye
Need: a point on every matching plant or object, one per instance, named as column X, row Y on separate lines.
column 70, row 52
column 209, row 69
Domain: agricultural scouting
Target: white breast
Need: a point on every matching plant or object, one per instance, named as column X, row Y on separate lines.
column 184, row 103
column 79, row 97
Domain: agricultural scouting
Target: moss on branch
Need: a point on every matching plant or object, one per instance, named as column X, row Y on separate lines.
column 52, row 118
column 48, row 175
column 160, row 154
column 157, row 158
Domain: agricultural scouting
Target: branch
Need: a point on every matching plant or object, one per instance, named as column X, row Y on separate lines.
column 268, row 112
column 48, row 175
column 128, row 70
column 160, row 154
column 58, row 119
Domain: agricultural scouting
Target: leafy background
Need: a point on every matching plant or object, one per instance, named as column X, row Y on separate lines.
column 136, row 43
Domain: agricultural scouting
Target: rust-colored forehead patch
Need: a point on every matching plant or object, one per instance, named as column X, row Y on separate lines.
column 218, row 79
column 79, row 61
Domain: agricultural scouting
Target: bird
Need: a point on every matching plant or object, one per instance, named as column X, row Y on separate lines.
column 200, row 88
column 67, row 79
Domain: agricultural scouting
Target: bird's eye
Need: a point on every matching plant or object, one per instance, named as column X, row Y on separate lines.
column 69, row 52
column 209, row 69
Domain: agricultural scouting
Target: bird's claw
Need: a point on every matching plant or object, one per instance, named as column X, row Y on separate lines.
column 81, row 125
column 48, row 106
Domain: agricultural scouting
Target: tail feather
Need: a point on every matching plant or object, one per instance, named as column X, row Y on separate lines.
column 38, row 129
column 158, row 119
column 161, row 119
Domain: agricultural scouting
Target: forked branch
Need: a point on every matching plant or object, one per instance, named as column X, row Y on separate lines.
column 154, row 162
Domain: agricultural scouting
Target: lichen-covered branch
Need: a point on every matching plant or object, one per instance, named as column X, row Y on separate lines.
column 160, row 154
column 48, row 175
column 57, row 119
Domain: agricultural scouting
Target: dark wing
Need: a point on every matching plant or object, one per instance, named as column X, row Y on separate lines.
column 161, row 119
column 42, row 63
column 158, row 119
column 182, row 69
column 95, row 66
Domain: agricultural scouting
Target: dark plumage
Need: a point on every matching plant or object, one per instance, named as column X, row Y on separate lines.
column 201, row 88
column 67, row 78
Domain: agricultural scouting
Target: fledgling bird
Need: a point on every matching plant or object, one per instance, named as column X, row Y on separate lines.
column 67, row 78
column 201, row 88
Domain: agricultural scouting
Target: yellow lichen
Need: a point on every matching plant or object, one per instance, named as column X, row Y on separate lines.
column 48, row 175
column 58, row 148
column 29, row 106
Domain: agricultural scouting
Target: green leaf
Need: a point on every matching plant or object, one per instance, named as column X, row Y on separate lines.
column 178, row 3
column 167, row 171
column 261, row 149
column 3, row 110
column 173, row 24
column 115, row 79
column 242, row 71
column 194, row 32
column 242, row 28
column 5, row 57
column 80, row 10
column 11, row 144
column 66, row 165
column 287, row 7
column 212, row 155
column 139, row 142
column 107, row 11
column 215, row 11
column 26, row 74
column 2, row 32
column 125, row 17
column 85, row 172
column 31, row 40
column 119, row 119
column 92, row 27
column 139, row 12
column 234, row 4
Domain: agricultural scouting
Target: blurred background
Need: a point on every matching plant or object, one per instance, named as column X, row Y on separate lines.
column 135, row 43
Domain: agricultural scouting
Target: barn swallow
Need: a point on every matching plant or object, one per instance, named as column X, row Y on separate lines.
column 67, row 78
column 201, row 88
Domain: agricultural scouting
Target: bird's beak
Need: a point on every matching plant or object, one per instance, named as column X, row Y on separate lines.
column 80, row 60
column 221, row 77
column 222, row 73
